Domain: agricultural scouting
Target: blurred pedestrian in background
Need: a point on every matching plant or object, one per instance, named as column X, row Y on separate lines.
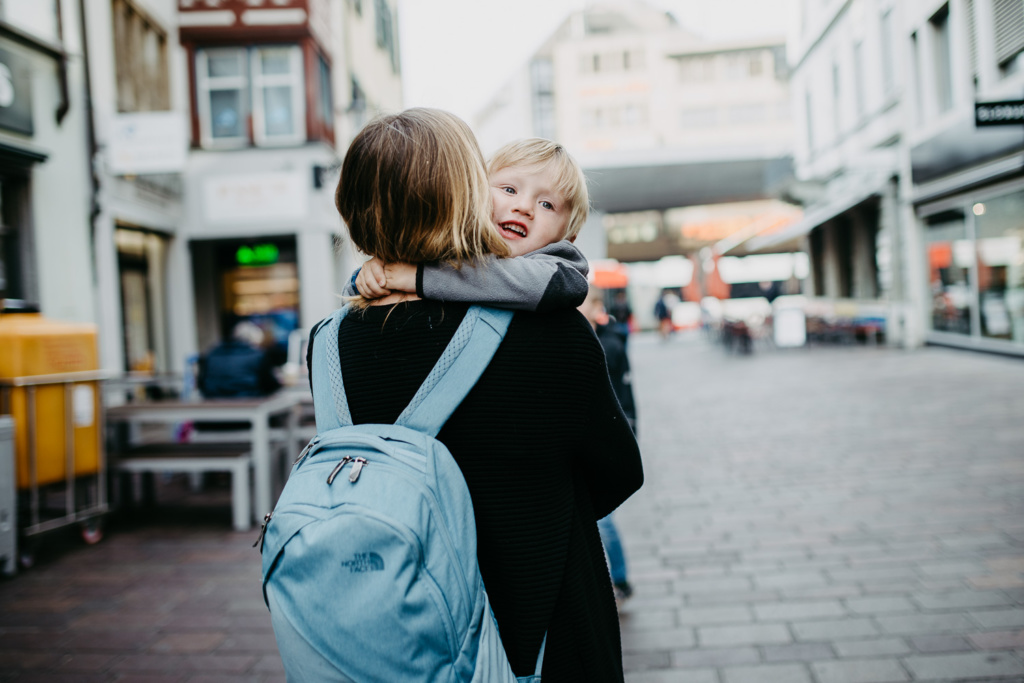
column 613, row 341
column 663, row 312
column 621, row 312
column 239, row 366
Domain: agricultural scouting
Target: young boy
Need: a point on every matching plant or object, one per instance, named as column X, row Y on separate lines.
column 540, row 204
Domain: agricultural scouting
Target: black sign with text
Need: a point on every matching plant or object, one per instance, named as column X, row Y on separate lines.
column 1006, row 113
column 15, row 93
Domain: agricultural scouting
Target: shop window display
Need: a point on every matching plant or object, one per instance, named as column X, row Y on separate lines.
column 999, row 230
column 949, row 263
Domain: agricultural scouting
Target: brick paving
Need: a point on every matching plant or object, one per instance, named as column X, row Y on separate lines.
column 826, row 515
column 822, row 515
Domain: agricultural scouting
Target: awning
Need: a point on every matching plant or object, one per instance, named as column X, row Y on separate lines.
column 788, row 239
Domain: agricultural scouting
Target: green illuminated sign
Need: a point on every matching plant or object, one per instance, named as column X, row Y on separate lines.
column 257, row 255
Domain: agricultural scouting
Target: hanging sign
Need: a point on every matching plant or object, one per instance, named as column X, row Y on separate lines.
column 1006, row 113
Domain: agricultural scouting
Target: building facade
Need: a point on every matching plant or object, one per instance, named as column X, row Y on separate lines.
column 895, row 173
column 45, row 184
column 966, row 181
column 658, row 117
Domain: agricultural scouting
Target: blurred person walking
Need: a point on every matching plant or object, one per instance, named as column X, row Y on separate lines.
column 613, row 341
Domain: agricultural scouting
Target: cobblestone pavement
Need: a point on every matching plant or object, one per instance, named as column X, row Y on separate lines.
column 826, row 515
column 823, row 515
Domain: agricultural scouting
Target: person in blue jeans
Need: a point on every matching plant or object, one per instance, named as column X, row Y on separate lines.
column 613, row 341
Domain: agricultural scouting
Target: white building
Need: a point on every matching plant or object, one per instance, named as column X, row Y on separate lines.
column 45, row 185
column 658, row 117
column 847, row 98
column 898, row 180
column 219, row 128
column 966, row 186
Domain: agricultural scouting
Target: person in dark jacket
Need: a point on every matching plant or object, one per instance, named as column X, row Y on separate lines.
column 238, row 367
column 613, row 341
column 544, row 447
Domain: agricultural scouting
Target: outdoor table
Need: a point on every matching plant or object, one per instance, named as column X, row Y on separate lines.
column 256, row 411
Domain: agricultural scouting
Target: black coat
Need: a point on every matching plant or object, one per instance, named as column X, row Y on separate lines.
column 545, row 450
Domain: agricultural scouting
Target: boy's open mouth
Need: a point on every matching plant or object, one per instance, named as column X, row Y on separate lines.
column 513, row 230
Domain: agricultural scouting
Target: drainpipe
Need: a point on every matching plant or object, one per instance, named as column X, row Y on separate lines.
column 90, row 131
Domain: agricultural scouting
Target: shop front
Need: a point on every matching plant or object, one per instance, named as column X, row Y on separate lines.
column 974, row 251
column 248, row 280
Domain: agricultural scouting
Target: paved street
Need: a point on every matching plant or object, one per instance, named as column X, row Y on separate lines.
column 835, row 515
column 823, row 515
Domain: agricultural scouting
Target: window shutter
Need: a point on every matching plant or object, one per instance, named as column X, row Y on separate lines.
column 1009, row 22
column 972, row 36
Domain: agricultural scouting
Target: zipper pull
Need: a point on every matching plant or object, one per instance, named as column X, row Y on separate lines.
column 356, row 469
column 263, row 531
column 337, row 468
column 312, row 442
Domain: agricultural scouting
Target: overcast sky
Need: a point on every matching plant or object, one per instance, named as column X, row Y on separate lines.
column 457, row 53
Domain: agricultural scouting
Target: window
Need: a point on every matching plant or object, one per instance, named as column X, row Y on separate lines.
column 942, row 60
column 915, row 56
column 386, row 32
column 858, row 78
column 999, row 228
column 698, row 69
column 837, row 122
column 542, row 74
column 326, row 101
column 972, row 37
column 357, row 106
column 17, row 276
column 265, row 84
column 1008, row 19
column 888, row 66
column 748, row 113
column 809, row 122
column 140, row 47
column 949, row 278
column 756, row 65
column 704, row 117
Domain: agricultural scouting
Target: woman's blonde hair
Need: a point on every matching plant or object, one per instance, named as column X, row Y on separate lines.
column 413, row 188
column 570, row 181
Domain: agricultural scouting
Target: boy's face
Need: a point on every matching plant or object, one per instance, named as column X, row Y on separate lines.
column 529, row 212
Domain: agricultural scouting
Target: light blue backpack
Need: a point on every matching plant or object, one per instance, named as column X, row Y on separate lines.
column 369, row 559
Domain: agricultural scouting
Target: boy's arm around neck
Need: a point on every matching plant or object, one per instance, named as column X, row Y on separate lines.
column 554, row 276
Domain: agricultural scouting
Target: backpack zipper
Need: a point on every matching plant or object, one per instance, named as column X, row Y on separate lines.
column 305, row 451
column 357, row 468
column 337, row 468
column 263, row 531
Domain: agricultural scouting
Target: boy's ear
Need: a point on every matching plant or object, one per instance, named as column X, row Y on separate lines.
column 573, row 238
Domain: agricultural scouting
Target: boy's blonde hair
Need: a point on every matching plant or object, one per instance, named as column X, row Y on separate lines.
column 413, row 188
column 570, row 183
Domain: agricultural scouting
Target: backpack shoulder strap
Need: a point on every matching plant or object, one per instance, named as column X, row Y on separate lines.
column 457, row 370
column 329, row 401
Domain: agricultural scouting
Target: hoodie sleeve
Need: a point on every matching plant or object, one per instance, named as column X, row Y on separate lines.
column 549, row 278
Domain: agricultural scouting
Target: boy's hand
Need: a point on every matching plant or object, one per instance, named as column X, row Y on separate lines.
column 372, row 280
column 377, row 279
column 401, row 277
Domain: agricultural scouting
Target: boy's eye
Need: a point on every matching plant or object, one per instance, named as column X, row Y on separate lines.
column 548, row 205
column 509, row 190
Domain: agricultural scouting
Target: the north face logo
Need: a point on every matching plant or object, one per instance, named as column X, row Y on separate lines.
column 364, row 562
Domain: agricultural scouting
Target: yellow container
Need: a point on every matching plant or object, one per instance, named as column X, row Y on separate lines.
column 31, row 345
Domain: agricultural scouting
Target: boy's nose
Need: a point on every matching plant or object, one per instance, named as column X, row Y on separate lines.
column 524, row 207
